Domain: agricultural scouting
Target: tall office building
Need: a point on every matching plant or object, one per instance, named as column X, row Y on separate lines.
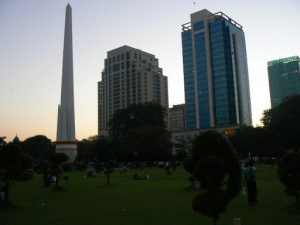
column 215, row 72
column 284, row 78
column 130, row 76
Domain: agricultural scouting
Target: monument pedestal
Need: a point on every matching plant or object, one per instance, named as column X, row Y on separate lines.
column 67, row 147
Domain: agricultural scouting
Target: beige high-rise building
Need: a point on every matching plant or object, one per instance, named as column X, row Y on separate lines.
column 130, row 76
column 177, row 117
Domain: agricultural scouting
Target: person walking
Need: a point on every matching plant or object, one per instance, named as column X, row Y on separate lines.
column 250, row 182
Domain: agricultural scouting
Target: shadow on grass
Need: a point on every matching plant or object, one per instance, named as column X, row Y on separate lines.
column 58, row 188
column 293, row 208
column 108, row 186
column 7, row 206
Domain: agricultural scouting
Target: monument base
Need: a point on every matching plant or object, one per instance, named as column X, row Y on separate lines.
column 67, row 147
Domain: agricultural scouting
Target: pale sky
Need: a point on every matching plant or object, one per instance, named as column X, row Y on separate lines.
column 31, row 47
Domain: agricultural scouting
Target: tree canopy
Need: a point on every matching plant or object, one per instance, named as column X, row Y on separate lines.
column 38, row 147
column 138, row 133
column 254, row 140
column 217, row 168
column 147, row 144
column 282, row 123
column 14, row 165
column 140, row 115
column 55, row 165
column 289, row 174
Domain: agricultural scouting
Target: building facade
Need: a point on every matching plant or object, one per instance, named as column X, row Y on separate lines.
column 284, row 78
column 215, row 69
column 177, row 118
column 130, row 76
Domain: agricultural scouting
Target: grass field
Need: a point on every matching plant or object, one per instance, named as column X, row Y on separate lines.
column 163, row 200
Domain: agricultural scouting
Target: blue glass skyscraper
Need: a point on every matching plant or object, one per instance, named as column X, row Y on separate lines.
column 284, row 79
column 215, row 72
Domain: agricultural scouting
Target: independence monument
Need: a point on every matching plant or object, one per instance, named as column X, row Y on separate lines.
column 65, row 139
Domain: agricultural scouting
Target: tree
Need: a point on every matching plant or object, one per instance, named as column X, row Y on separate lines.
column 254, row 140
column 283, row 124
column 266, row 118
column 39, row 147
column 138, row 133
column 182, row 150
column 86, row 150
column 104, row 149
column 289, row 174
column 2, row 142
column 96, row 149
column 14, row 165
column 217, row 168
column 188, row 164
column 147, row 144
column 56, row 161
column 189, row 167
column 140, row 115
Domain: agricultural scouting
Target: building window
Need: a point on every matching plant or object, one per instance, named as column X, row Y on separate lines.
column 116, row 67
column 198, row 26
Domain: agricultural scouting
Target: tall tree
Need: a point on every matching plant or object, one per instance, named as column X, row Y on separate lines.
column 104, row 149
column 148, row 144
column 217, row 168
column 253, row 140
column 140, row 115
column 14, row 165
column 2, row 142
column 289, row 174
column 56, row 161
column 283, row 124
column 85, row 149
column 138, row 133
column 39, row 147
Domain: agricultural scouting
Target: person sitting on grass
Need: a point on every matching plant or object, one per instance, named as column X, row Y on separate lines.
column 146, row 176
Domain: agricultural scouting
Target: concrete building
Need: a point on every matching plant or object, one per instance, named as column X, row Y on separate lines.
column 284, row 78
column 189, row 135
column 130, row 76
column 65, row 138
column 177, row 118
column 215, row 72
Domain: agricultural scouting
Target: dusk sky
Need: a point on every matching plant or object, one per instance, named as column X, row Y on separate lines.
column 31, row 50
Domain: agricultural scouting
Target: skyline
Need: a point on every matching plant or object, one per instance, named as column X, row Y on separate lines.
column 32, row 43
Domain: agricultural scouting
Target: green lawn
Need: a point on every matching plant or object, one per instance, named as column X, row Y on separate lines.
column 163, row 200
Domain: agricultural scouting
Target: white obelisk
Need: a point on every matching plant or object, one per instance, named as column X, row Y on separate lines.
column 65, row 139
